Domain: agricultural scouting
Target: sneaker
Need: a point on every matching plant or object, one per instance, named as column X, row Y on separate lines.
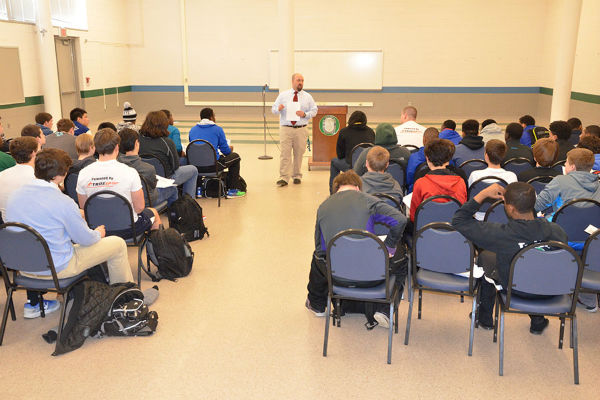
column 297, row 181
column 539, row 330
column 586, row 307
column 30, row 311
column 233, row 193
column 382, row 319
column 314, row 310
column 281, row 183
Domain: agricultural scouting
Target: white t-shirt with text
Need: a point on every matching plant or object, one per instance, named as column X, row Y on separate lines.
column 410, row 133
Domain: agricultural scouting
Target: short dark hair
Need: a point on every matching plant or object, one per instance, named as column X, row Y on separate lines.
column 31, row 130
column 561, row 129
column 128, row 138
column 439, row 151
column 21, row 148
column 449, row 124
column 487, row 122
column 50, row 163
column 155, row 125
column 589, row 142
column 527, row 120
column 76, row 113
column 106, row 140
column 107, row 125
column 593, row 130
column 514, row 131
column 357, row 118
column 64, row 125
column 545, row 152
column 495, row 150
column 42, row 118
column 207, row 113
column 574, row 123
column 346, row 178
column 521, row 196
column 470, row 127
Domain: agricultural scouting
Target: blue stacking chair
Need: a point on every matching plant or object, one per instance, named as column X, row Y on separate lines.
column 160, row 207
column 496, row 213
column 201, row 154
column 472, row 165
column 482, row 183
column 156, row 162
column 575, row 215
column 539, row 183
column 357, row 150
column 71, row 186
column 398, row 173
column 517, row 165
column 590, row 283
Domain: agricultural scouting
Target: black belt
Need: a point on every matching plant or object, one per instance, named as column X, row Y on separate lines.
column 295, row 126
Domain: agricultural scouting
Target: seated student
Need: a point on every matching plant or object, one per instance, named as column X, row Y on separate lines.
column 409, row 131
column 591, row 143
column 45, row 122
column 80, row 118
column 354, row 133
column 528, row 124
column 505, row 240
column 577, row 183
column 385, row 136
column 471, row 145
column 545, row 151
column 23, row 150
column 560, row 133
column 490, row 127
column 515, row 149
column 348, row 208
column 448, row 132
column 439, row 180
column 376, row 180
column 109, row 174
column 591, row 130
column 107, row 125
column 129, row 117
column 63, row 138
column 74, row 247
column 35, row 132
column 494, row 154
column 174, row 133
column 576, row 128
column 208, row 130
column 417, row 158
column 84, row 144
column 129, row 155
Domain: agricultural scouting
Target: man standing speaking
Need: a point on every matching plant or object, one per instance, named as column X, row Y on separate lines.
column 295, row 108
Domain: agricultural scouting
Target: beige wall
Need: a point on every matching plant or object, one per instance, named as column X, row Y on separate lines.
column 586, row 76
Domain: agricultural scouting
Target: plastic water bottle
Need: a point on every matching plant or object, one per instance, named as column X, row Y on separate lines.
column 199, row 192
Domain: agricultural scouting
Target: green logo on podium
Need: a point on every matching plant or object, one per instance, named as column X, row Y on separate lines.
column 329, row 125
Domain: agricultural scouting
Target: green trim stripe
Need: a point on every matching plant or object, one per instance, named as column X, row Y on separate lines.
column 545, row 90
column 588, row 98
column 99, row 92
column 29, row 101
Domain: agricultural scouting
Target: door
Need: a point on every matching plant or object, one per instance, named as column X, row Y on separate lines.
column 68, row 81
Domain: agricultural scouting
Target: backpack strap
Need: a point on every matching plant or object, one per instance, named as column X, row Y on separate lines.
column 146, row 267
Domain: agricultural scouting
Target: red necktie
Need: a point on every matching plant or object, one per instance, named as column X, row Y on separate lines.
column 295, row 100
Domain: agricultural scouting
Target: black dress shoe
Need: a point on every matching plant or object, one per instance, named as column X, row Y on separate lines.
column 297, row 181
column 538, row 330
column 281, row 182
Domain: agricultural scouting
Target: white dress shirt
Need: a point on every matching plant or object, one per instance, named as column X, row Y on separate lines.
column 307, row 104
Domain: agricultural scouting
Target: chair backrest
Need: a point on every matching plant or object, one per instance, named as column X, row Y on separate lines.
column 357, row 150
column 472, row 165
column 22, row 248
column 440, row 248
column 539, row 182
column 201, row 153
column 547, row 268
column 420, row 168
column 356, row 255
column 576, row 215
column 591, row 252
column 156, row 162
column 397, row 172
column 496, row 213
column 482, row 183
column 146, row 190
column 517, row 165
column 109, row 209
column 70, row 186
column 411, row 147
column 439, row 208
column 558, row 166
column 381, row 228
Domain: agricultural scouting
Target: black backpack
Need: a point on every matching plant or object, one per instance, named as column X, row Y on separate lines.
column 129, row 316
column 168, row 250
column 538, row 132
column 185, row 215
column 211, row 187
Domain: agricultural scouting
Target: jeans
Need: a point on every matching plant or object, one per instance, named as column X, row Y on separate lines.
column 187, row 175
column 337, row 166
column 169, row 194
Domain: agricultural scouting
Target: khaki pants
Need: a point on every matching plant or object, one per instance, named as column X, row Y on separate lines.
column 291, row 140
column 111, row 249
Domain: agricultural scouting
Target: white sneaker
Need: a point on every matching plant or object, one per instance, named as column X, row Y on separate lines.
column 30, row 311
column 382, row 319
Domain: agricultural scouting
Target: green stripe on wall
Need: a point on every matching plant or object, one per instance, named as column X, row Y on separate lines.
column 29, row 101
column 98, row 92
column 545, row 90
column 588, row 98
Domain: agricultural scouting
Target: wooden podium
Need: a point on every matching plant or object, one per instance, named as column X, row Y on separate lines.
column 326, row 126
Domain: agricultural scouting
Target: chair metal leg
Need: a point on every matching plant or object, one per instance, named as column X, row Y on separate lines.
column 338, row 313
column 562, row 333
column 396, row 304
column 496, row 321
column 420, row 303
column 61, row 320
column 327, row 316
column 219, row 192
column 501, row 370
column 462, row 298
column 13, row 316
column 410, row 305
column 472, row 329
column 390, row 334
column 575, row 354
column 5, row 313
column 571, row 335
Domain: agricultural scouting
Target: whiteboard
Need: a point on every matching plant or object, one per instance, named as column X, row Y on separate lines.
column 333, row 69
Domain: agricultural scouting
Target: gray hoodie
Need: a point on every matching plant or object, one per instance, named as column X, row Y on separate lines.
column 376, row 182
column 563, row 188
column 493, row 130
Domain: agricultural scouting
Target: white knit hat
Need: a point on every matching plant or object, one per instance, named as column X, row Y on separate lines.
column 129, row 113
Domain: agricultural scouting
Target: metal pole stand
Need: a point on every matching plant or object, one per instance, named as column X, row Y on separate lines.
column 265, row 156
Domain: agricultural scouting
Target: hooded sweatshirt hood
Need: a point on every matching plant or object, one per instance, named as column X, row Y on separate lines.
column 473, row 142
column 492, row 129
column 385, row 135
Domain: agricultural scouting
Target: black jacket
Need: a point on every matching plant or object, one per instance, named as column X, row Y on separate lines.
column 515, row 149
column 163, row 148
column 349, row 137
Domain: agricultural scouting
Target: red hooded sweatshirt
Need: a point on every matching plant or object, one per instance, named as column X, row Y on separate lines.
column 437, row 182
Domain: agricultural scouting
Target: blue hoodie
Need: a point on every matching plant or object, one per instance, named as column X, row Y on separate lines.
column 450, row 135
column 414, row 161
column 80, row 128
column 596, row 166
column 209, row 131
column 45, row 130
column 526, row 138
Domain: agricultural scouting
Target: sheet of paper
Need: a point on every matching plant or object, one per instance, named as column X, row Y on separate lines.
column 291, row 109
column 164, row 182
column 407, row 199
column 590, row 230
